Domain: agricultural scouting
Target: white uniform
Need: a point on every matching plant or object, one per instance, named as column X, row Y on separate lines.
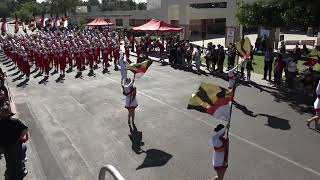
column 232, row 78
column 131, row 100
column 317, row 102
column 218, row 159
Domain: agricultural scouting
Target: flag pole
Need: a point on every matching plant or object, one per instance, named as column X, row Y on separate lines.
column 230, row 115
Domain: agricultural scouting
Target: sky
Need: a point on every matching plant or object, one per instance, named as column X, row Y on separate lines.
column 100, row 0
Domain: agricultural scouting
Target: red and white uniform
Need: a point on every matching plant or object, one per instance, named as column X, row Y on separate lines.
column 221, row 150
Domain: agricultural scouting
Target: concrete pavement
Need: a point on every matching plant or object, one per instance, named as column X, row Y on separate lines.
column 78, row 125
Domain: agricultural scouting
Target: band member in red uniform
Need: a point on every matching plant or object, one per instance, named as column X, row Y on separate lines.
column 70, row 58
column 91, row 59
column 116, row 54
column 79, row 60
column 56, row 61
column 46, row 64
column 139, row 51
column 127, row 52
column 132, row 40
column 110, row 50
column 62, row 62
column 25, row 64
column 105, row 58
column 97, row 55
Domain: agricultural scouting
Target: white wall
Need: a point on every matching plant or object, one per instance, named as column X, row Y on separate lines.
column 153, row 4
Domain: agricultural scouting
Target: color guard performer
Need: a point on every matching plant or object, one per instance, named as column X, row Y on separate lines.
column 131, row 101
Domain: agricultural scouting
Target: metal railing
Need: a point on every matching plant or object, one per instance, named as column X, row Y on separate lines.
column 112, row 170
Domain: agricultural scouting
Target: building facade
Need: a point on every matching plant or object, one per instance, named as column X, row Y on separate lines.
column 195, row 16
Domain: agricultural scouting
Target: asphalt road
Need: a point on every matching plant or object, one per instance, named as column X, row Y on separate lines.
column 78, row 125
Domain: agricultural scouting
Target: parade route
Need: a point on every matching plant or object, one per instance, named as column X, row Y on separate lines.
column 78, row 125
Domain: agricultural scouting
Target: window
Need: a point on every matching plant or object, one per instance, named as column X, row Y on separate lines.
column 209, row 5
column 137, row 22
column 119, row 22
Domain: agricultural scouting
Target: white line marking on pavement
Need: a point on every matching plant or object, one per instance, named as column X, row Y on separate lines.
column 68, row 137
column 234, row 135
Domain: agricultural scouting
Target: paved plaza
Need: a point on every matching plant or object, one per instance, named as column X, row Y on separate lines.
column 79, row 125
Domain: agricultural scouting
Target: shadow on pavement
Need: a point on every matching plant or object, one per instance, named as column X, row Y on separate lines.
column 14, row 74
column 17, row 78
column 276, row 122
column 23, row 83
column 244, row 109
column 60, row 79
column 136, row 139
column 154, row 157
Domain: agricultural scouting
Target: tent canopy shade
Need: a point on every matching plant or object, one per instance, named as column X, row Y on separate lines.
column 157, row 26
column 100, row 22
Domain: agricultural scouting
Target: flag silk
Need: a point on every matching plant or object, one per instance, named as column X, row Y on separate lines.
column 140, row 69
column 244, row 48
column 212, row 99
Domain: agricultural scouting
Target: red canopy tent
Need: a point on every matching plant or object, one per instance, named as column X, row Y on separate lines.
column 100, row 22
column 157, row 27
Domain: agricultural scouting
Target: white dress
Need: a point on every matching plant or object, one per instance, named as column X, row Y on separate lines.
column 131, row 99
column 218, row 159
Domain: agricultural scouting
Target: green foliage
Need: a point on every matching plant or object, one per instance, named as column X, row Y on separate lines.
column 93, row 3
column 280, row 13
column 142, row 6
column 128, row 5
column 82, row 23
column 63, row 6
column 24, row 14
column 4, row 10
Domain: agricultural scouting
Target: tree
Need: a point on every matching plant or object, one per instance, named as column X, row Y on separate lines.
column 280, row 13
column 63, row 6
column 142, row 6
column 4, row 11
column 93, row 3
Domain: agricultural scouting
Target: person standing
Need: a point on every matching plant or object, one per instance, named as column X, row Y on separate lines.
column 316, row 105
column 131, row 101
column 214, row 54
column 220, row 151
column 268, row 61
column 232, row 53
column 292, row 71
column 208, row 56
column 279, row 65
column 221, row 57
column 197, row 58
column 13, row 133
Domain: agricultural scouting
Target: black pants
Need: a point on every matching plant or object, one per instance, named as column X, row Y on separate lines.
column 290, row 79
column 267, row 69
column 208, row 63
column 14, row 155
column 277, row 77
column 231, row 61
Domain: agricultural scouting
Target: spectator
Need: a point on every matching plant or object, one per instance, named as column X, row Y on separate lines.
column 279, row 65
column 257, row 45
column 305, row 51
column 214, row 54
column 292, row 70
column 249, row 67
column 208, row 56
column 297, row 53
column 268, row 60
column 221, row 57
column 232, row 53
column 197, row 57
column 13, row 133
column 189, row 57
